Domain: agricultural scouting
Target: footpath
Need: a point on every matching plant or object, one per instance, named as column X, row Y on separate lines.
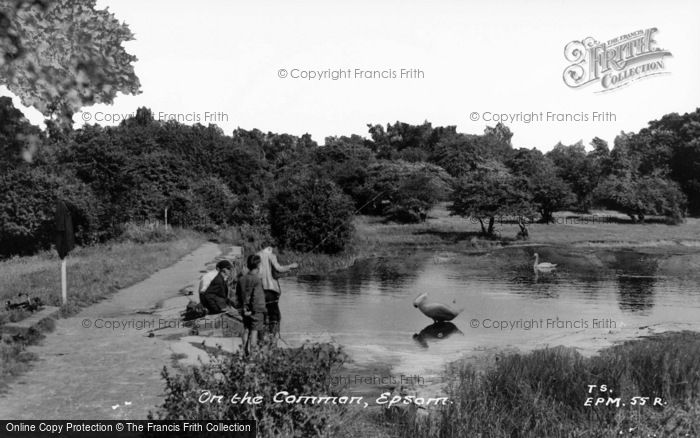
column 106, row 362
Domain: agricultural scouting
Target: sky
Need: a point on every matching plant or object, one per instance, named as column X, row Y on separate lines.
column 220, row 61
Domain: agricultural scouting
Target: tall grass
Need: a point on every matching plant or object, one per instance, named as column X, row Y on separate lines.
column 543, row 394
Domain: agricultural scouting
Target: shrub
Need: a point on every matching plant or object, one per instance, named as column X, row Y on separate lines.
column 311, row 214
column 28, row 199
column 300, row 371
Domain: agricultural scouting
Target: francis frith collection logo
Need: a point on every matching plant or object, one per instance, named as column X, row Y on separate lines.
column 614, row 63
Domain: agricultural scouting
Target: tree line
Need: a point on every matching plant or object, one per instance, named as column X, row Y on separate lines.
column 305, row 195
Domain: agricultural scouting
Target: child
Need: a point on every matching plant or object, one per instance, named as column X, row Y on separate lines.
column 215, row 296
column 269, row 268
column 250, row 294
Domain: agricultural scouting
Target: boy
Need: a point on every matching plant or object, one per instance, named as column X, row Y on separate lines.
column 215, row 296
column 250, row 294
column 269, row 268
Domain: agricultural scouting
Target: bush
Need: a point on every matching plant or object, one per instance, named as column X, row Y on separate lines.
column 302, row 371
column 28, row 199
column 311, row 214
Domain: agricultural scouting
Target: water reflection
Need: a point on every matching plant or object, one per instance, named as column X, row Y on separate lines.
column 536, row 286
column 636, row 294
column 435, row 332
column 635, row 281
column 381, row 273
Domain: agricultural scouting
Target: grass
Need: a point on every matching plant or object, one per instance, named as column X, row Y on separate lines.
column 441, row 232
column 544, row 393
column 598, row 227
column 94, row 273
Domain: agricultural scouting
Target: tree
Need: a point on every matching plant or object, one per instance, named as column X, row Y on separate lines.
column 485, row 195
column 459, row 154
column 27, row 206
column 578, row 170
column 206, row 205
column 400, row 136
column 11, row 47
column 66, row 55
column 497, row 139
column 682, row 133
column 403, row 191
column 311, row 214
column 639, row 182
column 346, row 161
column 19, row 139
column 549, row 192
column 648, row 195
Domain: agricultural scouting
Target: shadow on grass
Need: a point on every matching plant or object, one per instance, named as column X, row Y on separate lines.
column 456, row 236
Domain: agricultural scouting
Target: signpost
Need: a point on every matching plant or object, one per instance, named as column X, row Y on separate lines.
column 65, row 242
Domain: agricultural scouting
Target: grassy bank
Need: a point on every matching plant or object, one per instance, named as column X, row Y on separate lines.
column 93, row 274
column 441, row 232
column 599, row 227
column 544, row 393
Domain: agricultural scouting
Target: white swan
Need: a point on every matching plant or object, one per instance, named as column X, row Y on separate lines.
column 436, row 311
column 542, row 267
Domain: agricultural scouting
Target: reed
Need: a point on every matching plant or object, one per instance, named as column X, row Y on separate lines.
column 544, row 393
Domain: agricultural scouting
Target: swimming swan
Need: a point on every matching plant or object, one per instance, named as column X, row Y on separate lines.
column 542, row 267
column 436, row 311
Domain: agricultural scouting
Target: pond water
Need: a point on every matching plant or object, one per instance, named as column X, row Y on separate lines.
column 369, row 308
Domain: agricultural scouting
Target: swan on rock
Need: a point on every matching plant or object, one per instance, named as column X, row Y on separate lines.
column 438, row 312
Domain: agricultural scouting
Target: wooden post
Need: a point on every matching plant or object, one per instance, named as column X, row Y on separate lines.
column 166, row 218
column 64, row 282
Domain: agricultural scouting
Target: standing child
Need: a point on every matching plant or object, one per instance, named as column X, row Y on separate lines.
column 250, row 294
column 269, row 269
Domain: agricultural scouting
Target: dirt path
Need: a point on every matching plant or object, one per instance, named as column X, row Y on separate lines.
column 101, row 373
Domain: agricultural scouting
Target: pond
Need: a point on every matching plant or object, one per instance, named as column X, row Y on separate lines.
column 369, row 307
